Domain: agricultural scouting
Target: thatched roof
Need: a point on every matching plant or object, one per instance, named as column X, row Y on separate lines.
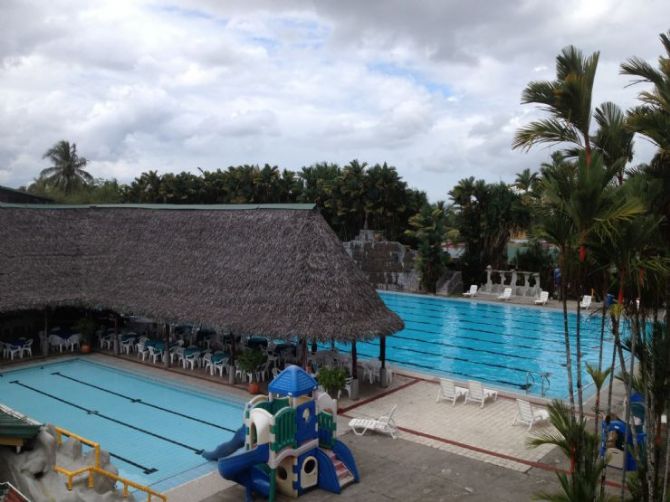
column 275, row 270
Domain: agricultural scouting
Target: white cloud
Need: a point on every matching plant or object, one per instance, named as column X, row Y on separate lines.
column 431, row 87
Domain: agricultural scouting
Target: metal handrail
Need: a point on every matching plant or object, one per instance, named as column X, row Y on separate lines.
column 91, row 469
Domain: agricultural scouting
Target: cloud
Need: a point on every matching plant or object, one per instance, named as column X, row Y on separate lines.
column 431, row 87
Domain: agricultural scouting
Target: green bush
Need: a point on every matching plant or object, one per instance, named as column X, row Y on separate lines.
column 332, row 379
column 251, row 359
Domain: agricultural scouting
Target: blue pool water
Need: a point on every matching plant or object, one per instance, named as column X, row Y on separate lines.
column 497, row 344
column 153, row 430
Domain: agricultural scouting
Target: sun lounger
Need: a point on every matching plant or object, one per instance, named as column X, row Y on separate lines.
column 586, row 302
column 478, row 394
column 544, row 296
column 450, row 392
column 383, row 424
column 529, row 416
column 472, row 292
column 507, row 294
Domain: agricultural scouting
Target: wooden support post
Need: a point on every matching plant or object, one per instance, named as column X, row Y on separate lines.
column 44, row 341
column 166, row 351
column 383, row 381
column 354, row 371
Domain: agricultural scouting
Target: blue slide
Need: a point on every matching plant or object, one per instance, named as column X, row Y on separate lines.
column 227, row 448
column 241, row 468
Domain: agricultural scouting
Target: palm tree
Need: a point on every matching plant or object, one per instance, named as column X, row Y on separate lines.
column 567, row 99
column 67, row 171
column 526, row 181
column 581, row 447
column 613, row 138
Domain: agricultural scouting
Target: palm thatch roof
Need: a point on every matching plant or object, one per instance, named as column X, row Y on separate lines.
column 274, row 270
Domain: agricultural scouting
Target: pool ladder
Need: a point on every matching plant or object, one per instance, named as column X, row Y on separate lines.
column 544, row 381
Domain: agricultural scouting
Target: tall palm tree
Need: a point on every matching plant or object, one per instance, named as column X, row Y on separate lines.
column 567, row 99
column 613, row 138
column 67, row 171
column 526, row 181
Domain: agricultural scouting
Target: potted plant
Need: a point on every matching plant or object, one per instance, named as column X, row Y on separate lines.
column 250, row 360
column 86, row 328
column 332, row 380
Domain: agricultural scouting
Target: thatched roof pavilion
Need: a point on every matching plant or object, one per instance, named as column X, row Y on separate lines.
column 273, row 270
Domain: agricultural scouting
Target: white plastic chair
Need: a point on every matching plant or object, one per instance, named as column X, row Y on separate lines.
column 544, row 296
column 371, row 369
column 507, row 294
column 478, row 394
column 472, row 292
column 27, row 348
column 529, row 416
column 73, row 341
column 347, row 387
column 449, row 391
column 57, row 341
column 154, row 355
column 14, row 350
column 384, row 424
column 586, row 302
column 191, row 360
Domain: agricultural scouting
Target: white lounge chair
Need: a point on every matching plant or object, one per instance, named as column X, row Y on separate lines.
column 479, row 394
column 383, row 424
column 586, row 302
column 450, row 391
column 472, row 292
column 544, row 296
column 507, row 294
column 527, row 415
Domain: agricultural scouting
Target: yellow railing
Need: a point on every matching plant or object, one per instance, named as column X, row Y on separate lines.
column 98, row 470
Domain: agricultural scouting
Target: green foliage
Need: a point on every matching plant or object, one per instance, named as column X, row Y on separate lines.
column 485, row 216
column 537, row 257
column 98, row 191
column 582, row 448
column 87, row 328
column 251, row 359
column 332, row 379
column 67, row 171
column 428, row 227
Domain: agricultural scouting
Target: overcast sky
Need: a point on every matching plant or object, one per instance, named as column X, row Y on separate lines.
column 431, row 87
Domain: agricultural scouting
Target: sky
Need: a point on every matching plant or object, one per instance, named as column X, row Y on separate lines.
column 431, row 87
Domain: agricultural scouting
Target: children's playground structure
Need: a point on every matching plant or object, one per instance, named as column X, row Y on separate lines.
column 617, row 437
column 288, row 442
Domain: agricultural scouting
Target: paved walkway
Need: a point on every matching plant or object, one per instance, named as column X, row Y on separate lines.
column 406, row 471
column 485, row 434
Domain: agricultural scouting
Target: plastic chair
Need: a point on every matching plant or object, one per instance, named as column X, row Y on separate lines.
column 478, row 394
column 27, row 348
column 384, row 424
column 472, row 292
column 449, row 391
column 529, row 416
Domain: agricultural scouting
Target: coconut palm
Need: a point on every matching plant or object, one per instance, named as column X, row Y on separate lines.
column 67, row 171
column 526, row 180
column 567, row 99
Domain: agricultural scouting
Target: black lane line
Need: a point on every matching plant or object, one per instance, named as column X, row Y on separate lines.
column 471, row 349
column 517, row 334
column 544, row 342
column 450, row 372
column 462, row 316
column 197, row 451
column 453, row 358
column 488, row 313
column 140, row 401
column 487, row 307
column 592, row 333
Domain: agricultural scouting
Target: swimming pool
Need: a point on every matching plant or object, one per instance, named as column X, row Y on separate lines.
column 154, row 431
column 498, row 344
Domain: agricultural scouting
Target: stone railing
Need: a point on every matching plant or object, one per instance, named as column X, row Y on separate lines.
column 512, row 279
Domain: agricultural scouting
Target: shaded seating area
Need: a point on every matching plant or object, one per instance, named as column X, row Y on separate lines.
column 195, row 286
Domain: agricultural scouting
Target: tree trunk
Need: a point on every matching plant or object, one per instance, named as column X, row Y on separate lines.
column 578, row 350
column 566, row 334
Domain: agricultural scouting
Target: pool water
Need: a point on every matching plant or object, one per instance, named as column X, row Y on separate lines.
column 154, row 431
column 497, row 344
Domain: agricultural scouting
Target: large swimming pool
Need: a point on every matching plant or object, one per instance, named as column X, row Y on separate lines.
column 154, row 431
column 498, row 344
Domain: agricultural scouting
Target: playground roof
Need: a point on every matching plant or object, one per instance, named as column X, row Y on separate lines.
column 293, row 382
column 275, row 270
